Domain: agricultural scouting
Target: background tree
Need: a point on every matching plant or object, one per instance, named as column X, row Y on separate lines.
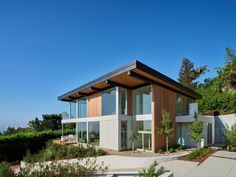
column 166, row 127
column 133, row 137
column 48, row 122
column 196, row 131
column 9, row 130
column 188, row 74
column 227, row 74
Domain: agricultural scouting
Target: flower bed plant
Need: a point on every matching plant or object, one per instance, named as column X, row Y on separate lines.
column 199, row 153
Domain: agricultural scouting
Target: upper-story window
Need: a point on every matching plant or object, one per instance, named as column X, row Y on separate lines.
column 73, row 109
column 82, row 108
column 142, row 99
column 178, row 104
column 123, row 100
column 109, row 102
column 188, row 101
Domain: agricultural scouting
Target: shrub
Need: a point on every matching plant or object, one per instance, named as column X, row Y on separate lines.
column 152, row 171
column 160, row 150
column 13, row 147
column 5, row 170
column 198, row 153
column 58, row 152
column 230, row 136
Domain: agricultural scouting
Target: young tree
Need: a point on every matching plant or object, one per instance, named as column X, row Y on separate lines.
column 166, row 127
column 196, row 131
column 133, row 137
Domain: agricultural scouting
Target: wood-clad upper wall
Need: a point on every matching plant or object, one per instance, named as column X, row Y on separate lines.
column 129, row 102
column 162, row 99
column 94, row 105
column 184, row 102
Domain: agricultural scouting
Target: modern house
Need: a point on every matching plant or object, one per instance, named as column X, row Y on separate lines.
column 132, row 97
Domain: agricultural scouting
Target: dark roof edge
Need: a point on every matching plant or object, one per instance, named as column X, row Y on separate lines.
column 165, row 78
column 115, row 72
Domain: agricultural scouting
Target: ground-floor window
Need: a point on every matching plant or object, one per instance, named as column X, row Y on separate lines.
column 89, row 132
column 94, row 133
column 144, row 129
column 82, row 132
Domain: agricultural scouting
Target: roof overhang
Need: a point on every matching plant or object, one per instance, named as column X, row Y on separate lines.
column 131, row 76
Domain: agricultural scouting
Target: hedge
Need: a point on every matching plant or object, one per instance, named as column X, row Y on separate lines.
column 13, row 147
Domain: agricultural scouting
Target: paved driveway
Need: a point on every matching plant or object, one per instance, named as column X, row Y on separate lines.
column 220, row 164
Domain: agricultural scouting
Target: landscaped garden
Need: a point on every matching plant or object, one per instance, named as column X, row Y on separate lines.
column 59, row 152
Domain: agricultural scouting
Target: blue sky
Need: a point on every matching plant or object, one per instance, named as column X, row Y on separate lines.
column 50, row 47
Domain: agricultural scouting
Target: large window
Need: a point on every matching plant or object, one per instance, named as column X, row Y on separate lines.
column 145, row 125
column 73, row 109
column 123, row 101
column 82, row 132
column 144, row 137
column 189, row 100
column 109, row 102
column 94, row 133
column 178, row 105
column 82, row 108
column 142, row 100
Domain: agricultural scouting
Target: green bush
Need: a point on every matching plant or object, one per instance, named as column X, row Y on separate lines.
column 53, row 169
column 13, row 147
column 198, row 153
column 5, row 170
column 230, row 136
column 58, row 152
column 152, row 171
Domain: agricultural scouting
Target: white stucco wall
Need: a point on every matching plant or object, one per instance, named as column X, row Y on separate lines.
column 221, row 122
column 183, row 127
column 109, row 134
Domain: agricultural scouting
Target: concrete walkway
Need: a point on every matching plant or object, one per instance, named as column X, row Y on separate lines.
column 220, row 164
column 122, row 163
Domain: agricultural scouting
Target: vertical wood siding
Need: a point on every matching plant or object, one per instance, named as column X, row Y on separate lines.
column 162, row 99
column 94, row 103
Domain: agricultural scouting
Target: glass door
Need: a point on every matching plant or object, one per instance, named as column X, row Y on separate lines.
column 147, row 141
column 124, row 136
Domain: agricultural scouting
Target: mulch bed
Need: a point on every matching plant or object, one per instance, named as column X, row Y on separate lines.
column 199, row 159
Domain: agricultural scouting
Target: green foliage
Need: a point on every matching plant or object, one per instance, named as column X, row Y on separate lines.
column 133, row 137
column 219, row 93
column 48, row 122
column 196, row 131
column 198, row 153
column 214, row 100
column 58, row 152
column 188, row 74
column 230, row 136
column 166, row 127
column 227, row 74
column 5, row 170
column 14, row 146
column 152, row 171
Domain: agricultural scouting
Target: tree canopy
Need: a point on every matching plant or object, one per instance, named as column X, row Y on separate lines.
column 189, row 75
column 48, row 122
column 219, row 93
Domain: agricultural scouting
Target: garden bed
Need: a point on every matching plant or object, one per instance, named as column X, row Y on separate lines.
column 198, row 155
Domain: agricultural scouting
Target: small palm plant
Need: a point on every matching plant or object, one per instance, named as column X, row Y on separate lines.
column 152, row 171
column 133, row 137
